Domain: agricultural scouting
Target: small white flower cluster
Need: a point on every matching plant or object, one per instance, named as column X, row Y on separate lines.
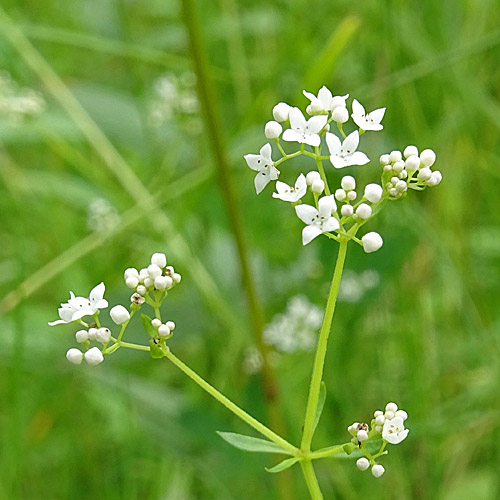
column 16, row 103
column 325, row 217
column 102, row 216
column 389, row 425
column 296, row 329
column 157, row 276
column 354, row 285
column 175, row 97
column 164, row 329
column 409, row 170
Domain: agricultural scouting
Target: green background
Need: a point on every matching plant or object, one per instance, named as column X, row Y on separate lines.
column 426, row 337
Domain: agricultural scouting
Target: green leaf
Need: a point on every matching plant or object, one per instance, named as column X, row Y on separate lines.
column 249, row 443
column 146, row 323
column 155, row 350
column 321, row 404
column 288, row 462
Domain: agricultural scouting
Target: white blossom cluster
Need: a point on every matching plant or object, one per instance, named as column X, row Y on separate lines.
column 295, row 329
column 388, row 425
column 17, row 103
column 157, row 276
column 354, row 285
column 151, row 285
column 343, row 211
column 102, row 216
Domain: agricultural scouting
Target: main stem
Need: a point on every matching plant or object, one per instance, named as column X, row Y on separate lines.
column 319, row 360
column 311, row 480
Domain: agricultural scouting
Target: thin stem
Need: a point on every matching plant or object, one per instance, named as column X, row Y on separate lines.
column 319, row 164
column 258, row 426
column 319, row 361
column 311, row 480
column 328, row 452
column 288, row 157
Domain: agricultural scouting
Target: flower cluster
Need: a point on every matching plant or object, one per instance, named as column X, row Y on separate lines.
column 151, row 285
column 340, row 213
column 388, row 425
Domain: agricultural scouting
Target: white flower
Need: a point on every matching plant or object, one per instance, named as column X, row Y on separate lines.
column 344, row 154
column 364, row 121
column 119, row 314
column 318, row 221
column 281, row 111
column 273, row 130
column 362, row 463
column 372, row 242
column 378, row 470
column 373, row 193
column 321, row 103
column 292, row 194
column 263, row 164
column 394, row 430
column 78, row 307
column 348, row 182
column 94, row 356
column 303, row 131
column 74, row 356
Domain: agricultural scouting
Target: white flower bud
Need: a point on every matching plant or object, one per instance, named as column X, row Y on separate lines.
column 141, row 289
column 412, row 163
column 425, row 173
column 309, row 110
column 338, row 100
column 387, row 168
column 163, row 330
column 74, row 356
column 143, row 273
column 160, row 259
column 82, row 336
column 378, row 428
column 362, row 463
column 362, row 435
column 281, row 111
column 311, row 177
column 155, row 323
column 372, row 242
column 389, row 415
column 177, row 278
column 435, row 179
column 394, row 180
column 351, row 195
column 395, row 156
column 273, row 130
column 92, row 332
column 401, row 186
column 161, row 282
column 316, row 107
column 428, row 157
column 348, row 182
column 154, row 271
column 347, row 210
column 340, row 194
column 384, row 160
column 131, row 271
column 340, row 114
column 377, row 413
column 373, row 193
column 94, row 356
column 364, row 211
column 391, row 407
column 403, row 174
column 119, row 314
column 394, row 192
column 103, row 335
column 318, row 186
column 378, row 470
column 380, row 419
column 132, row 281
column 398, row 167
column 402, row 414
column 148, row 282
column 410, row 151
column 171, row 325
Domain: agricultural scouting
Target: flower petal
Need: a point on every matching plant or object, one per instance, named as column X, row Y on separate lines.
column 97, row 292
column 306, row 213
column 290, row 135
column 266, row 152
column 273, row 173
column 332, row 224
column 312, row 140
column 254, row 162
column 309, row 233
column 351, row 142
column 310, row 96
column 326, row 205
column 297, row 120
column 325, row 96
column 57, row 322
column 358, row 158
column 338, row 161
column 333, row 143
column 316, row 123
column 357, row 109
column 376, row 115
column 301, row 185
column 261, row 180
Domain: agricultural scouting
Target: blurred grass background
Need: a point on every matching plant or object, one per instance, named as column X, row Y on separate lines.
column 76, row 211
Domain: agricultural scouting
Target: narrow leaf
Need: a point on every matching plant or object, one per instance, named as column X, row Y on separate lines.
column 321, row 404
column 146, row 323
column 155, row 350
column 283, row 465
column 249, row 443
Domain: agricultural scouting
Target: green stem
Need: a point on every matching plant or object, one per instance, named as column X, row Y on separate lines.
column 319, row 361
column 321, row 171
column 258, row 426
column 328, row 452
column 287, row 157
column 311, row 480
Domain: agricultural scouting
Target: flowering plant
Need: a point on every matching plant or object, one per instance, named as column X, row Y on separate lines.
column 337, row 214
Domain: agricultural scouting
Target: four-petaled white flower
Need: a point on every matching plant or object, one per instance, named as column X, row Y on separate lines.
column 291, row 193
column 321, row 103
column 344, row 154
column 394, row 430
column 318, row 221
column 263, row 164
column 78, row 307
column 367, row 121
column 305, row 132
